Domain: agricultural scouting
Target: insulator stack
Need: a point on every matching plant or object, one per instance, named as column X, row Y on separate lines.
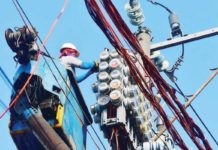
column 135, row 13
column 120, row 103
column 175, row 25
column 159, row 60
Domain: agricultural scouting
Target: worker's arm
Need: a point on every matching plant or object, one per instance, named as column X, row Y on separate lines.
column 88, row 73
column 75, row 62
column 87, row 65
column 82, row 77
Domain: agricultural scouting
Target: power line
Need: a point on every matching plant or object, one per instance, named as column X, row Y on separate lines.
column 170, row 74
column 187, row 104
column 198, row 116
column 159, row 4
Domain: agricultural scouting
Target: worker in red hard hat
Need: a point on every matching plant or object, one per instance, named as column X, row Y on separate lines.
column 69, row 57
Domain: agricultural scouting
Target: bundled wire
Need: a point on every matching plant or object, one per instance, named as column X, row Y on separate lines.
column 163, row 88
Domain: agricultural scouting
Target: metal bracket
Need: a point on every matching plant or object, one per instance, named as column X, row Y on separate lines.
column 185, row 39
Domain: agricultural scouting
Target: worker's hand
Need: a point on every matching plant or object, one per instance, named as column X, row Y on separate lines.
column 96, row 67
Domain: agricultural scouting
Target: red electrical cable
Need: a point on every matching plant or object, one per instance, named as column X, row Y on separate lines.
column 186, row 121
column 192, row 129
column 38, row 57
column 99, row 18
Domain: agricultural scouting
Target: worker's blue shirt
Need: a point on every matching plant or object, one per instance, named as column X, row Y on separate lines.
column 70, row 61
column 84, row 65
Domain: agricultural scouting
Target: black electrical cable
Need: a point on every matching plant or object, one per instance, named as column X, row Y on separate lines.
column 195, row 112
column 60, row 75
column 170, row 74
column 159, row 4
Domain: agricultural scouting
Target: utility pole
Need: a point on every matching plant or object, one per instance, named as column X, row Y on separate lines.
column 144, row 37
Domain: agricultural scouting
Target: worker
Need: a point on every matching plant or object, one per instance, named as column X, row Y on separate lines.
column 69, row 58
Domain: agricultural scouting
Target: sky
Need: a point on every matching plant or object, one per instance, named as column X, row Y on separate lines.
column 76, row 26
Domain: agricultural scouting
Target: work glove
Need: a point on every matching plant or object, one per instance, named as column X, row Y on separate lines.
column 95, row 67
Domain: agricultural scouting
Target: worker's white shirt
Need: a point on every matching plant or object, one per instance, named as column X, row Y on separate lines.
column 67, row 61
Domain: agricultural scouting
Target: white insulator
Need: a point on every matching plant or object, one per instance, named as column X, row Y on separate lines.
column 137, row 89
column 159, row 60
column 105, row 55
column 114, row 54
column 103, row 66
column 116, row 97
column 130, row 91
column 115, row 74
column 103, row 88
column 155, row 54
column 133, row 92
column 95, row 108
column 132, row 103
column 165, row 64
column 103, row 77
column 103, row 101
column 115, row 64
column 158, row 97
column 135, row 14
column 95, row 87
column 126, row 81
column 126, row 91
column 160, row 124
column 138, row 21
column 126, row 71
column 130, row 9
column 115, row 84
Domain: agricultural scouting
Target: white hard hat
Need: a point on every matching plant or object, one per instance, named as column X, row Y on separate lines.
column 68, row 45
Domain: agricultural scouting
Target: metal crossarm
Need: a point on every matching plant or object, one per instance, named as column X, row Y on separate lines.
column 185, row 39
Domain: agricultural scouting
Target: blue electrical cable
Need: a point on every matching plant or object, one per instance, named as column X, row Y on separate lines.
column 5, row 78
column 10, row 86
column 3, row 106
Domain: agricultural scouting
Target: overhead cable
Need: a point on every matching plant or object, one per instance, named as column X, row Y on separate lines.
column 159, row 4
column 186, row 121
column 187, row 104
column 198, row 116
